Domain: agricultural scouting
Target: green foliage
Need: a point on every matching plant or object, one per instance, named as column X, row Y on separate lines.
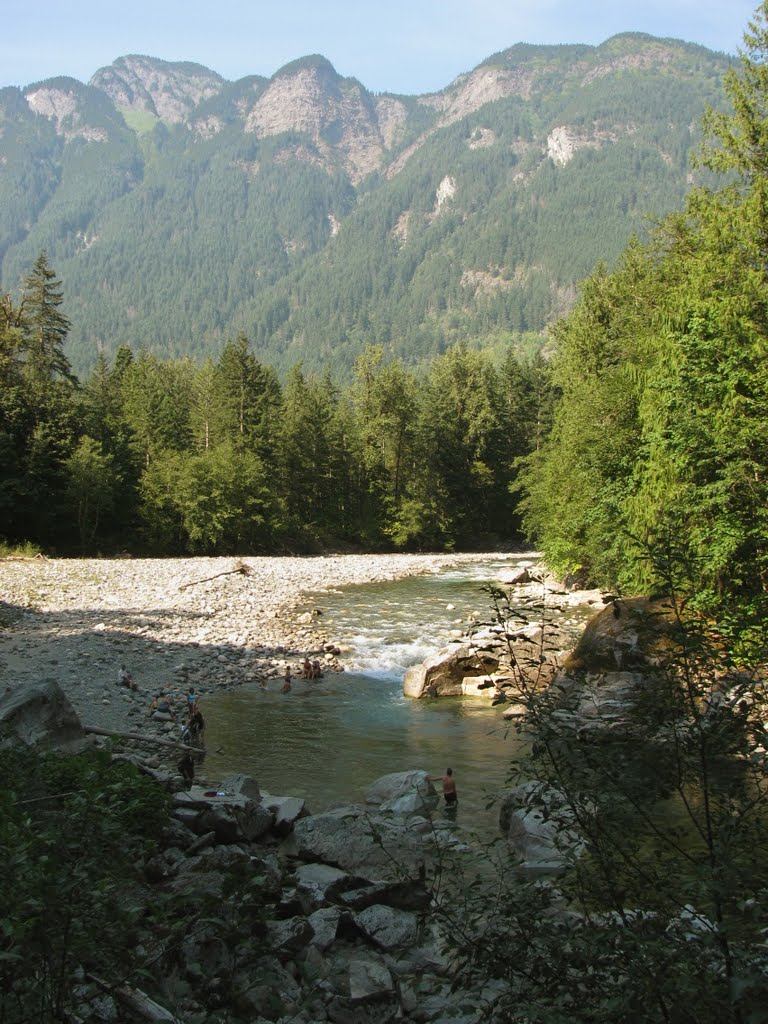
column 91, row 485
column 219, row 458
column 660, row 428
column 73, row 832
column 140, row 121
column 660, row 819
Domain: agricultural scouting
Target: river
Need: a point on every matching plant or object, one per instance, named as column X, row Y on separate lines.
column 327, row 740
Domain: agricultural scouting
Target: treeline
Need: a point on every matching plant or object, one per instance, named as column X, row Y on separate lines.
column 658, row 459
column 170, row 457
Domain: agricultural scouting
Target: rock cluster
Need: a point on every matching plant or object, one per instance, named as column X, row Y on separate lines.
column 345, row 932
column 523, row 650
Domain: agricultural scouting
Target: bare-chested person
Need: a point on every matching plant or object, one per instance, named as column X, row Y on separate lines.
column 449, row 788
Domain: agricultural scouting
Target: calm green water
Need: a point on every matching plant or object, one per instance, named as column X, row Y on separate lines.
column 328, row 740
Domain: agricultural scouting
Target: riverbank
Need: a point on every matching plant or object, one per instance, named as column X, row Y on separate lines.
column 211, row 623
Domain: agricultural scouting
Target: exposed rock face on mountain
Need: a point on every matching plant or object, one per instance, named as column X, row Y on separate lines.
column 335, row 113
column 63, row 101
column 169, row 91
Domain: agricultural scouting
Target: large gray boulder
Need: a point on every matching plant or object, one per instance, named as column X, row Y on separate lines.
column 232, row 817
column 286, row 811
column 541, row 827
column 241, row 785
column 387, row 927
column 287, row 938
column 40, row 715
column 403, row 793
column 369, row 978
column 318, row 885
column 354, row 840
column 325, row 926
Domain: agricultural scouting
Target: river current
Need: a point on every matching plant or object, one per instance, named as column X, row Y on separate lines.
column 328, row 740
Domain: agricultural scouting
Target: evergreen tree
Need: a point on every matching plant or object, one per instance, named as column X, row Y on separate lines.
column 249, row 400
column 386, row 407
column 45, row 326
column 156, row 399
column 660, row 434
column 39, row 413
column 579, row 480
column 461, row 492
column 91, row 487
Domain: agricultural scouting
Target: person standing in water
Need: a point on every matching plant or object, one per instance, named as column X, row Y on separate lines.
column 449, row 788
column 286, row 687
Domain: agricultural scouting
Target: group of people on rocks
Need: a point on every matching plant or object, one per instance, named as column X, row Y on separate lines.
column 162, row 706
column 191, row 735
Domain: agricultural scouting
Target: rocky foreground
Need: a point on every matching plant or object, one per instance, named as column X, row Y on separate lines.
column 363, row 914
column 210, row 623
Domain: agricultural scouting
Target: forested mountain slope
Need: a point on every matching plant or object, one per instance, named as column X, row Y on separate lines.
column 316, row 217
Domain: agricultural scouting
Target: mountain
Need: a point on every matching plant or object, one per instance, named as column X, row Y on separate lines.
column 315, row 216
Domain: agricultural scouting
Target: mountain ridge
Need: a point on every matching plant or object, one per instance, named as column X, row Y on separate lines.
column 263, row 181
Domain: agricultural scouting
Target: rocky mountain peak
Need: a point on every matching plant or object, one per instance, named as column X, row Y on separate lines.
column 63, row 100
column 338, row 114
column 168, row 90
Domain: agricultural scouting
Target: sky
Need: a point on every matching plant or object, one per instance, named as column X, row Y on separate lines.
column 401, row 46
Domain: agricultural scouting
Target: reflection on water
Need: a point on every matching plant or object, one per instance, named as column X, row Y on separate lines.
column 328, row 739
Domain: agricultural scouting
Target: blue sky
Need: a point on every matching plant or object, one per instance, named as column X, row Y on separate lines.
column 406, row 46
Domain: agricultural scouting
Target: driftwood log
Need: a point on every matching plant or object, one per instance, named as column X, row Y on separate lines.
column 241, row 568
column 142, row 738
column 136, row 1001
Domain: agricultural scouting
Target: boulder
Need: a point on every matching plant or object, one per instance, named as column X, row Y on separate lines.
column 403, row 793
column 241, row 785
column 267, row 994
column 318, row 885
column 352, row 839
column 286, row 811
column 369, row 979
column 540, row 826
column 516, row 578
column 443, row 673
column 387, row 927
column 217, row 858
column 628, row 633
column 234, row 819
column 40, row 715
column 608, row 696
column 325, row 925
column 404, row 895
column 287, row 938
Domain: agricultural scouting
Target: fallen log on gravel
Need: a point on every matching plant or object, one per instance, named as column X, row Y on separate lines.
column 142, row 738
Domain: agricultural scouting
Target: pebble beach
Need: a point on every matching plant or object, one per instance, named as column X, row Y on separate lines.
column 210, row 623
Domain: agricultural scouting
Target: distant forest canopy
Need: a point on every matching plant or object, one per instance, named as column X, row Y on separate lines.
column 169, row 456
column 317, row 218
